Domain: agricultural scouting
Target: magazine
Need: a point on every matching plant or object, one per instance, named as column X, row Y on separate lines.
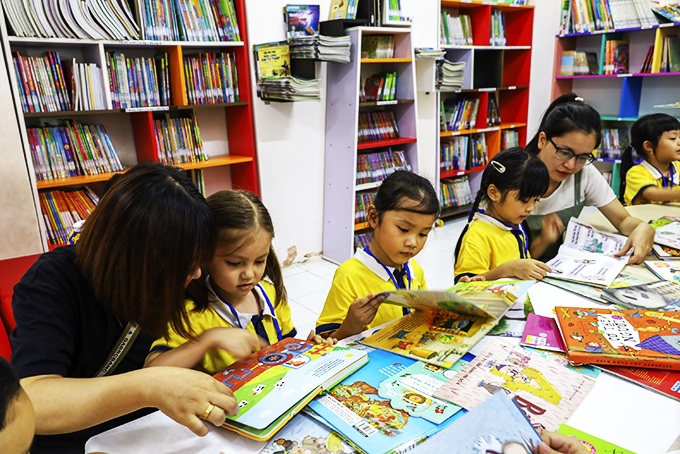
column 302, row 21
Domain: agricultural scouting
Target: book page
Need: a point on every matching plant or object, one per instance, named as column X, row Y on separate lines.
column 592, row 269
column 583, row 237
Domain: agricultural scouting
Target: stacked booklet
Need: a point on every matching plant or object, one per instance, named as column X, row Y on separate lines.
column 449, row 75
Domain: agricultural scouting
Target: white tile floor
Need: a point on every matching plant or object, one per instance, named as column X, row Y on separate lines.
column 308, row 283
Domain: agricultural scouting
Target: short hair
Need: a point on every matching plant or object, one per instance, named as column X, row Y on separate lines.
column 149, row 231
column 9, row 391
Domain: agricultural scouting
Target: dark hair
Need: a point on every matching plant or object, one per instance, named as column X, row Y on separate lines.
column 403, row 185
column 238, row 215
column 511, row 169
column 648, row 128
column 568, row 113
column 9, row 391
column 147, row 234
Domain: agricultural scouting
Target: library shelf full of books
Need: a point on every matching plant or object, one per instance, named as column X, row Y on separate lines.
column 194, row 113
column 496, row 49
column 353, row 133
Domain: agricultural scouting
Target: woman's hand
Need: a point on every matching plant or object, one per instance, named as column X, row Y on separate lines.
column 551, row 228
column 641, row 240
column 555, row 443
column 320, row 340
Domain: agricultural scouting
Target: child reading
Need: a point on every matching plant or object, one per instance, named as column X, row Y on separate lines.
column 496, row 242
column 655, row 138
column 401, row 216
column 233, row 294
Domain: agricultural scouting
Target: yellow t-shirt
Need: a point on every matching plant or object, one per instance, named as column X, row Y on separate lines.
column 486, row 245
column 645, row 175
column 217, row 315
column 358, row 277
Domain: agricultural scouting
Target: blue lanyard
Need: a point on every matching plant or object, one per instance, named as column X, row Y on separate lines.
column 269, row 303
column 519, row 233
column 667, row 182
column 387, row 270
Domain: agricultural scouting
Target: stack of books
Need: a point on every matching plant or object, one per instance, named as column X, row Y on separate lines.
column 478, row 151
column 289, row 88
column 455, row 192
column 86, row 85
column 42, row 85
column 458, row 114
column 509, row 139
column 374, row 167
column 178, row 140
column 62, row 209
column 377, row 126
column 614, row 141
column 138, row 81
column 333, row 48
column 428, row 52
column 455, row 30
column 454, row 153
column 670, row 58
column 185, row 20
column 211, row 78
column 497, row 37
column 449, row 75
column 363, row 201
column 577, row 63
column 379, row 87
column 71, row 150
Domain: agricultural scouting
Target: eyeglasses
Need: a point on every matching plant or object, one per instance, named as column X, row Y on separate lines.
column 565, row 155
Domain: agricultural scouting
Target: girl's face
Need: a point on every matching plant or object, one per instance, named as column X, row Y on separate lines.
column 235, row 271
column 577, row 142
column 510, row 209
column 668, row 148
column 400, row 235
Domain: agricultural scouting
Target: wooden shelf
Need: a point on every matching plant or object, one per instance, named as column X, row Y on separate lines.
column 216, row 161
column 367, row 186
column 491, row 90
column 74, row 42
column 631, row 29
column 385, row 143
column 505, row 126
column 386, row 60
column 385, row 103
column 478, row 3
column 464, row 47
column 72, row 113
column 361, row 226
column 462, row 209
column 456, row 173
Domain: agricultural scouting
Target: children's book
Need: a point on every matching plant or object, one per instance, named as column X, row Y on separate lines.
column 357, row 409
column 637, row 338
column 660, row 295
column 272, row 60
column 338, row 9
column 305, row 434
column 302, row 21
column 665, row 252
column 593, row 444
column 547, row 391
column 587, row 256
column 665, row 270
column 542, row 333
column 445, row 325
column 497, row 425
column 667, row 231
column 626, row 278
column 273, row 384
column 666, row 382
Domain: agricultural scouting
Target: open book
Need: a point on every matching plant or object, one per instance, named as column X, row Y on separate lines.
column 445, row 325
column 587, row 256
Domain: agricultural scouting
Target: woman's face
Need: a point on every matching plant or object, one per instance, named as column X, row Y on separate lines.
column 578, row 143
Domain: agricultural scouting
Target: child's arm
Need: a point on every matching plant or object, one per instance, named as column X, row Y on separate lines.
column 238, row 342
column 551, row 229
column 522, row 269
column 654, row 194
column 361, row 313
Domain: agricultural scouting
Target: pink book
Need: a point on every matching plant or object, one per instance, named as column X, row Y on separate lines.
column 542, row 333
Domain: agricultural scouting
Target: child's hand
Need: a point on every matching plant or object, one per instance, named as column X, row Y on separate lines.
column 238, row 342
column 320, row 340
column 479, row 277
column 551, row 228
column 527, row 269
column 361, row 313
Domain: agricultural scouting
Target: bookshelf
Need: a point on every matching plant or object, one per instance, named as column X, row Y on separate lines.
column 342, row 146
column 491, row 70
column 226, row 128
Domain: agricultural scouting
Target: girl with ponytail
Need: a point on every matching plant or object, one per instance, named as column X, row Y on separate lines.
column 496, row 243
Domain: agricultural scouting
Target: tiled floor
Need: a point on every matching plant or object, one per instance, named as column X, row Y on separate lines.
column 308, row 283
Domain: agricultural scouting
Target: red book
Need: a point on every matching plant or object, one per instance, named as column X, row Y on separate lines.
column 666, row 382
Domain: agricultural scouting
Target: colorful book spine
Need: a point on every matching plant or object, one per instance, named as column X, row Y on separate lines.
column 455, row 192
column 41, row 83
column 62, row 209
column 178, row 140
column 190, row 20
column 210, row 78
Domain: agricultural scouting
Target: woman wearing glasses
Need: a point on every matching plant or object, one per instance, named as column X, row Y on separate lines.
column 569, row 132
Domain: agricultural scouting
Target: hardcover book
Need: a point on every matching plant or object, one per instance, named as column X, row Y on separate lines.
column 547, row 392
column 666, row 382
column 273, row 384
column 637, row 338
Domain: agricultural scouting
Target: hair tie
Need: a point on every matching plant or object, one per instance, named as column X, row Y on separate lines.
column 498, row 166
column 579, row 99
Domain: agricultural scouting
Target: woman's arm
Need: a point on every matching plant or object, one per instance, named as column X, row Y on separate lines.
column 64, row 405
column 640, row 234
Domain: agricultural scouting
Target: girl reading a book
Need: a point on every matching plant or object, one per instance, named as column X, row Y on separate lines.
column 496, row 242
column 401, row 217
column 232, row 310
column 655, row 138
column 568, row 133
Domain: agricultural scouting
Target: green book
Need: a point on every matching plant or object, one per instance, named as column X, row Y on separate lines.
column 591, row 442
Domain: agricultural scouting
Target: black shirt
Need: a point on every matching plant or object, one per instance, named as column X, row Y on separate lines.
column 63, row 329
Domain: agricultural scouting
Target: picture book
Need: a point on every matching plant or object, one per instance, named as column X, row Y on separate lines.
column 274, row 383
column 626, row 278
column 547, row 391
column 667, row 231
column 304, row 434
column 660, row 295
column 542, row 333
column 302, row 21
column 445, row 325
column 587, row 256
column 338, row 9
column 665, row 270
column 272, row 60
column 666, row 382
column 637, row 338
column 665, row 252
column 356, row 409
column 561, row 359
column 593, row 444
column 497, row 425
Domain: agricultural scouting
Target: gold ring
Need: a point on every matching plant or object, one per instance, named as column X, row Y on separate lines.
column 207, row 411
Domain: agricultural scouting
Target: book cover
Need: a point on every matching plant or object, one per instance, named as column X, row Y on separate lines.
column 356, row 410
column 276, row 382
column 338, row 9
column 542, row 333
column 637, row 338
column 497, row 425
column 666, row 270
column 547, row 392
column 666, row 382
column 592, row 443
column 272, row 60
column 667, row 231
column 302, row 21
column 663, row 296
column 665, row 252
column 305, row 434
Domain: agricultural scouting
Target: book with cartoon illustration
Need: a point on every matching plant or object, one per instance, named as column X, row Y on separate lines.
column 445, row 325
column 667, row 231
column 587, row 256
column 594, row 444
column 273, row 384
column 666, row 253
column 497, row 425
column 546, row 391
column 636, row 338
column 666, row 270
column 387, row 405
column 626, row 278
column 305, row 434
column 660, row 295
